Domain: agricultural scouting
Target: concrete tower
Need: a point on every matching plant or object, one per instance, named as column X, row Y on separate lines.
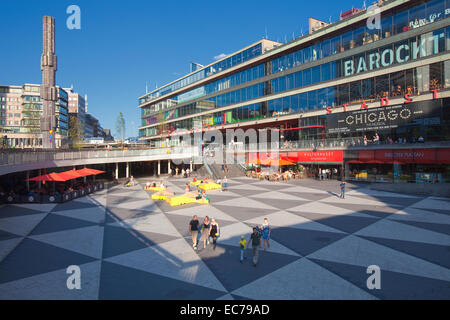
column 49, row 94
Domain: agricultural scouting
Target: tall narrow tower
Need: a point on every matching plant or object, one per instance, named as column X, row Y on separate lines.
column 48, row 89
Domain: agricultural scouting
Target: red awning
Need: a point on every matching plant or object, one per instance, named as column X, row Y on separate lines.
column 88, row 171
column 355, row 161
column 50, row 177
column 72, row 174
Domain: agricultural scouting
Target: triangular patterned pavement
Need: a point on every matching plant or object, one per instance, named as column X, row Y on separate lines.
column 394, row 285
column 361, row 252
column 35, row 257
column 224, row 263
column 53, row 285
column 87, row 241
column 118, row 282
column 174, row 259
column 301, row 279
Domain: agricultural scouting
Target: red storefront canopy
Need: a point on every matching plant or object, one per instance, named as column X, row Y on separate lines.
column 88, row 171
column 72, row 174
column 50, row 177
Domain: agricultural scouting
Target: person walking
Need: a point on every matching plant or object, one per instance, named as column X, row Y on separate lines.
column 224, row 183
column 242, row 246
column 205, row 231
column 265, row 231
column 255, row 238
column 193, row 231
column 214, row 232
column 342, row 185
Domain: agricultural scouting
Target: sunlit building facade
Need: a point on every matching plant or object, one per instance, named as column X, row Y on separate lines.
column 351, row 80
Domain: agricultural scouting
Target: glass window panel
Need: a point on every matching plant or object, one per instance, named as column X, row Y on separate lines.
column 298, row 79
column 410, row 82
column 342, row 94
column 325, row 71
column 286, row 108
column 397, row 84
column 331, row 97
column 307, row 54
column 355, row 92
column 294, row 103
column 416, row 14
column 315, row 75
column 382, row 86
column 306, row 77
column 400, row 22
column 290, row 81
column 386, row 27
column 298, row 58
column 303, row 101
column 435, row 10
column 347, row 41
column 359, row 36
column 335, row 45
column 326, row 48
column 315, row 52
column 368, row 89
column 312, row 100
column 283, row 84
column 290, row 61
column 322, row 98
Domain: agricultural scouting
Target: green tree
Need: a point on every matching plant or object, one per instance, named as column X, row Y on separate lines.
column 76, row 134
column 120, row 127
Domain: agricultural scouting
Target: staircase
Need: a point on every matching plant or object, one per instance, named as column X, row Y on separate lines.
column 234, row 170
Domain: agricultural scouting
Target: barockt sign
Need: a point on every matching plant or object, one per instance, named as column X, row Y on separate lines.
column 426, row 46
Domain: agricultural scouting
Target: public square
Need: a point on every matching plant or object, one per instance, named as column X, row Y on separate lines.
column 131, row 247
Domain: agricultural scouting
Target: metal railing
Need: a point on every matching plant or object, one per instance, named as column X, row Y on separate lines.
column 24, row 157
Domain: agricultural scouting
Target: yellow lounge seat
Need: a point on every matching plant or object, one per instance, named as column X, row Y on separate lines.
column 158, row 197
column 195, row 183
column 210, row 186
column 154, row 188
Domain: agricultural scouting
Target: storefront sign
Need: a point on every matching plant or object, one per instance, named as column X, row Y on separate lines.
column 425, row 155
column 321, row 156
column 382, row 118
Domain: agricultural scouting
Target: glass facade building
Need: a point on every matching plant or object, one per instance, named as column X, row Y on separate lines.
column 349, row 65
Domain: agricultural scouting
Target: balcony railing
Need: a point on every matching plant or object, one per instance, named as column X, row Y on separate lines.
column 17, row 157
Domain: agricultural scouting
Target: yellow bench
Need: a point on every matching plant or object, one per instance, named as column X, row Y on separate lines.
column 210, row 186
column 154, row 189
column 180, row 200
column 158, row 197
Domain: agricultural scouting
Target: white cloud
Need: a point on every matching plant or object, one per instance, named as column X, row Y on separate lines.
column 220, row 56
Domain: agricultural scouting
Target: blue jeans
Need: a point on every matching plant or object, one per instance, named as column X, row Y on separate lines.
column 342, row 193
column 242, row 254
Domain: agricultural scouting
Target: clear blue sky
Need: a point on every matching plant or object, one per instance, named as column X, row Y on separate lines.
column 124, row 44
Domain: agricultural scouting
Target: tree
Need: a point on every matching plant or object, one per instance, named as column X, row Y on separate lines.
column 76, row 133
column 120, row 127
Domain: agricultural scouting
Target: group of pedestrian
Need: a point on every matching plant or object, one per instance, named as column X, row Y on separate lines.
column 210, row 230
column 207, row 230
column 255, row 239
column 184, row 173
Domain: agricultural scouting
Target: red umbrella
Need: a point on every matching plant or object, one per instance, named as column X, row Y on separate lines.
column 50, row 177
column 72, row 174
column 89, row 171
